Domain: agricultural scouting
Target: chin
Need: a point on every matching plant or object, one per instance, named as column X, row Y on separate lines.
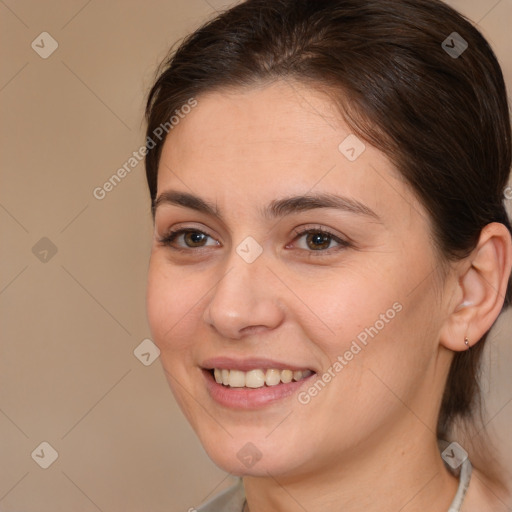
column 245, row 458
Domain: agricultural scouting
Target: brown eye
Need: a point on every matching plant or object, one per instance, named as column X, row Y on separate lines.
column 195, row 239
column 318, row 241
column 188, row 239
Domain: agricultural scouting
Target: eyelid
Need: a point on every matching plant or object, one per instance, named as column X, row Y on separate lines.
column 180, row 229
column 309, row 227
column 185, row 226
column 304, row 229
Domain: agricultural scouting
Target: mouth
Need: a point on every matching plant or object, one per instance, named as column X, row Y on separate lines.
column 253, row 384
column 258, row 377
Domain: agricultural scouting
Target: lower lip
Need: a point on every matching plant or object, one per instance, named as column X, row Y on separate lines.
column 248, row 398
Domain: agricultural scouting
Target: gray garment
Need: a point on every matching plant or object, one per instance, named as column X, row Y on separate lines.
column 230, row 500
column 233, row 498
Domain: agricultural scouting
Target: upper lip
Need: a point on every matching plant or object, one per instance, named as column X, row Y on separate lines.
column 247, row 364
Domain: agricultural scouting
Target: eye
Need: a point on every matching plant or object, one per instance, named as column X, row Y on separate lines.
column 187, row 239
column 321, row 240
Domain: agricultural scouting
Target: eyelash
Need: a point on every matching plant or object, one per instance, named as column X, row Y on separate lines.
column 168, row 240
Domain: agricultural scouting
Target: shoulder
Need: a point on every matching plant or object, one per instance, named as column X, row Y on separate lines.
column 230, row 500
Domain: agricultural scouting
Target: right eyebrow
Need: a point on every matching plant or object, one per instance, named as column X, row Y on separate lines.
column 186, row 200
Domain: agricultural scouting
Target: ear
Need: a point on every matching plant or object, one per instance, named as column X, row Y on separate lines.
column 481, row 287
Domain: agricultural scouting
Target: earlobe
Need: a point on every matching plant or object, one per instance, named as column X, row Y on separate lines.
column 482, row 286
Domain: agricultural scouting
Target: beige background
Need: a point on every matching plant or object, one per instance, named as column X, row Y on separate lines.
column 70, row 325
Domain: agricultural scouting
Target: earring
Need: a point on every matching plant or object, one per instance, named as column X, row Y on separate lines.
column 466, row 341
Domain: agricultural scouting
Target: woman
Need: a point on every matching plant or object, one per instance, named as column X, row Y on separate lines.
column 331, row 249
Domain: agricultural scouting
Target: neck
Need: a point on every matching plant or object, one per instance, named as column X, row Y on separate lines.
column 391, row 475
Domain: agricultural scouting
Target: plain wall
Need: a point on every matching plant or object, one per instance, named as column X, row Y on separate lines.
column 71, row 320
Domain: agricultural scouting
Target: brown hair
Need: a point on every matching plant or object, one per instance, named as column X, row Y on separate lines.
column 442, row 120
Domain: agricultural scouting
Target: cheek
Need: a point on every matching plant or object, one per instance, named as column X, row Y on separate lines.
column 386, row 343
column 375, row 318
column 346, row 302
column 170, row 303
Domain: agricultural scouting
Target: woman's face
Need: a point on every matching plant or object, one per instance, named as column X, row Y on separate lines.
column 291, row 247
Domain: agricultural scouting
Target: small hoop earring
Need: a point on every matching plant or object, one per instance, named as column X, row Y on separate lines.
column 466, row 341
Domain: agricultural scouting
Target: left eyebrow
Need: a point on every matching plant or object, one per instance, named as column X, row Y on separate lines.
column 296, row 204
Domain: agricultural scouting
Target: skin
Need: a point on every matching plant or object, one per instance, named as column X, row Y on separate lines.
column 367, row 440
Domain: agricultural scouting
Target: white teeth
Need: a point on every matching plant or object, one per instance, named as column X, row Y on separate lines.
column 272, row 377
column 236, row 379
column 286, row 376
column 254, row 379
column 257, row 378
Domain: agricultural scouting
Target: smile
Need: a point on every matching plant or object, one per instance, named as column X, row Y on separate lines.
column 258, row 378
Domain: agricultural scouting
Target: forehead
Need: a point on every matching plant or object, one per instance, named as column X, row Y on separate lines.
column 277, row 140
column 289, row 118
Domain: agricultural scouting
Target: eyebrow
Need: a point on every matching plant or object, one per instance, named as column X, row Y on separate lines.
column 276, row 209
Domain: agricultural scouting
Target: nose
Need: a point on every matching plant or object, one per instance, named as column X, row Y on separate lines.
column 245, row 301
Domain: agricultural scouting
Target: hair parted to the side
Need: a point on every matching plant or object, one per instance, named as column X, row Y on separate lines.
column 444, row 122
